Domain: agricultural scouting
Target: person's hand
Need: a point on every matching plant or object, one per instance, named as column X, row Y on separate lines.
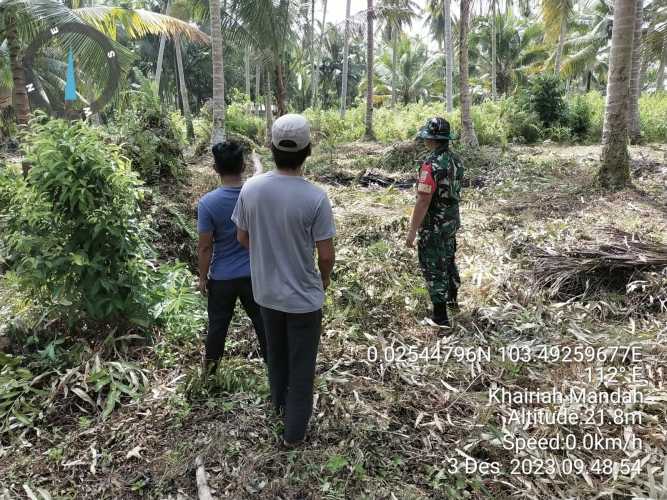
column 410, row 239
column 326, row 282
column 203, row 286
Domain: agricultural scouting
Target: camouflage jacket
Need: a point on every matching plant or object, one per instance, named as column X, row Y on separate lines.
column 441, row 174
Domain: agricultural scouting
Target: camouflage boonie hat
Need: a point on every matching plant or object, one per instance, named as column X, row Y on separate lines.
column 437, row 129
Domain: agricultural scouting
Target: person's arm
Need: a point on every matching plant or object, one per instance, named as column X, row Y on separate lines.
column 326, row 258
column 418, row 214
column 243, row 237
column 205, row 228
column 239, row 219
column 324, row 230
column 425, row 189
column 204, row 251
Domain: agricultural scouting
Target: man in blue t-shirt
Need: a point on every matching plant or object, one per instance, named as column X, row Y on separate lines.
column 224, row 265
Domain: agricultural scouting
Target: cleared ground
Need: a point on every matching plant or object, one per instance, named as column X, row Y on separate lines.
column 404, row 410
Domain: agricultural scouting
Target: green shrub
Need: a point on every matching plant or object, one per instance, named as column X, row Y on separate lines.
column 238, row 120
column 149, row 135
column 179, row 309
column 546, row 95
column 523, row 125
column 558, row 134
column 580, row 117
column 73, row 224
column 653, row 116
column 489, row 126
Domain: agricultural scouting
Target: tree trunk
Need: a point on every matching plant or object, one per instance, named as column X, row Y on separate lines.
column 268, row 105
column 247, row 72
column 258, row 81
column 589, row 77
column 21, row 104
column 660, row 83
column 369, row 134
column 218, row 131
column 346, row 62
column 316, row 70
column 394, row 63
column 634, row 127
column 468, row 136
column 281, row 91
column 160, row 61
column 313, row 60
column 561, row 44
column 493, row 50
column 449, row 50
column 160, row 56
column 184, row 90
column 615, row 168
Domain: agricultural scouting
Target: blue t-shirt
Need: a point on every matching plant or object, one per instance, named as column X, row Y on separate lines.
column 214, row 214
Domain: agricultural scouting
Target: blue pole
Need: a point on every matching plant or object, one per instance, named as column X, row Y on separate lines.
column 70, row 85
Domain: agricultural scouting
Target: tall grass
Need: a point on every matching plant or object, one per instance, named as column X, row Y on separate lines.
column 496, row 123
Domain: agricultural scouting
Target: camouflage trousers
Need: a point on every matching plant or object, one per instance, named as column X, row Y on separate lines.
column 437, row 261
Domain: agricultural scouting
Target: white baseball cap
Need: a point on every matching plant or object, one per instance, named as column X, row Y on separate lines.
column 290, row 133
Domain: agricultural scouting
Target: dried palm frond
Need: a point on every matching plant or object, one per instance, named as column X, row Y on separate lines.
column 611, row 266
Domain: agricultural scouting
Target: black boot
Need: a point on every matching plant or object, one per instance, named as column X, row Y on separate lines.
column 452, row 301
column 440, row 314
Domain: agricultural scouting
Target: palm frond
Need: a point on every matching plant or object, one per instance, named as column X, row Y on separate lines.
column 138, row 23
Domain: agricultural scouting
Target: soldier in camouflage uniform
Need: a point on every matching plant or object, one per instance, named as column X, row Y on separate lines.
column 436, row 218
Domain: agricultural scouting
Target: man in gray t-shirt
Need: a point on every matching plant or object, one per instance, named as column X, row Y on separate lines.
column 282, row 218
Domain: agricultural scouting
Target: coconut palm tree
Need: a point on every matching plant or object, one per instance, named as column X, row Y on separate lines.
column 634, row 128
column 416, row 76
column 268, row 28
column 217, row 54
column 586, row 53
column 346, row 61
column 494, row 57
column 370, row 41
column 449, row 56
column 394, row 16
column 468, row 136
column 30, row 16
column 615, row 169
column 519, row 53
column 556, row 14
column 440, row 19
column 318, row 59
column 660, row 81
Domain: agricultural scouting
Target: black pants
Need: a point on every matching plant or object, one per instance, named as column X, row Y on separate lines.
column 222, row 295
column 292, row 341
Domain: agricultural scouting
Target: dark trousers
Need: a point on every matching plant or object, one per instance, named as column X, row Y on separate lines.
column 222, row 295
column 437, row 259
column 292, row 341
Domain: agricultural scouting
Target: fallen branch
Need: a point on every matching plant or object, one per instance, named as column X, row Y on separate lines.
column 203, row 491
column 611, row 265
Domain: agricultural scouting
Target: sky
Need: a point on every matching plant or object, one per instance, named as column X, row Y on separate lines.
column 336, row 12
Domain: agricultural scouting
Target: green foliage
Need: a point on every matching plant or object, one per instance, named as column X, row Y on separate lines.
column 178, row 309
column 238, row 120
column 70, row 372
column 233, row 375
column 150, row 136
column 73, row 223
column 515, row 119
column 653, row 116
column 580, row 117
column 523, row 125
column 546, row 96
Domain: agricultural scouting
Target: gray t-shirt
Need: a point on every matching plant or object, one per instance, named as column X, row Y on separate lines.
column 284, row 216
